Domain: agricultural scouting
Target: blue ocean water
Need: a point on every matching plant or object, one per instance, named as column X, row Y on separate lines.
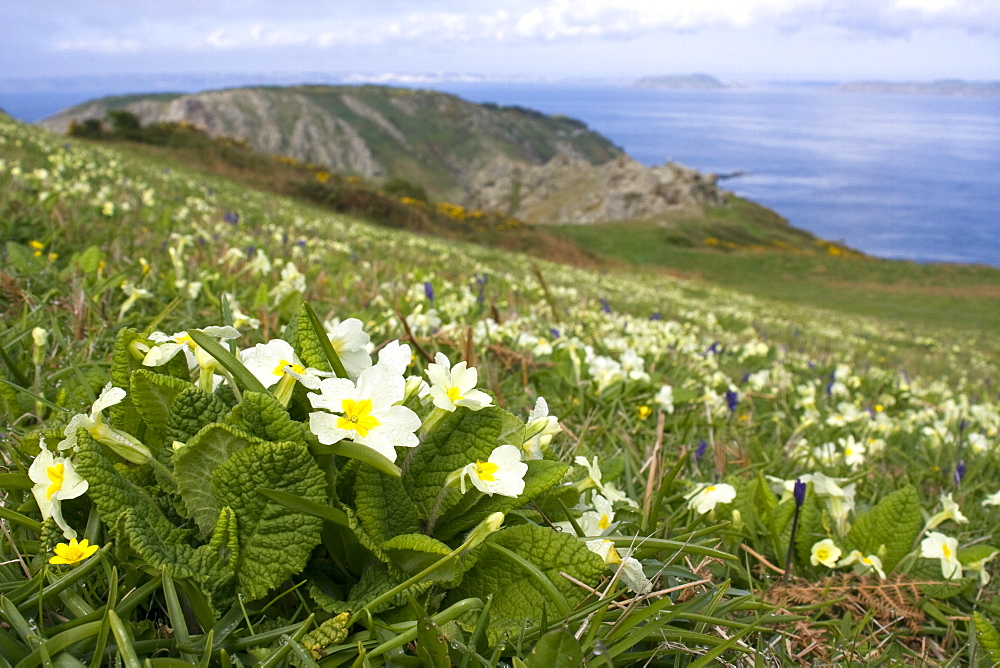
column 912, row 177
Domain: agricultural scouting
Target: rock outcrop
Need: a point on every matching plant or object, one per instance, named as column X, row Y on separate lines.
column 567, row 191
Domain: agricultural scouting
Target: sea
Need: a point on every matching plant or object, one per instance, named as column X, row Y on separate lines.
column 903, row 176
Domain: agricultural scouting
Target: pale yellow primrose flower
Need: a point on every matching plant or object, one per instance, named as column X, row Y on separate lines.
column 169, row 345
column 992, row 499
column 939, row 546
column 269, row 362
column 825, row 552
column 632, row 575
column 453, row 386
column 541, row 427
column 124, row 444
column 949, row 511
column 503, row 473
column 705, row 498
column 980, row 567
column 351, row 343
column 865, row 563
column 594, row 479
column 55, row 481
column 73, row 552
column 368, row 413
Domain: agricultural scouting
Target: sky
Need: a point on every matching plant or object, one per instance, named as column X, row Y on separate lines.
column 549, row 39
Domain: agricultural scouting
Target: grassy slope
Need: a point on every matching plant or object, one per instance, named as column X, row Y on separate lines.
column 937, row 295
column 766, row 257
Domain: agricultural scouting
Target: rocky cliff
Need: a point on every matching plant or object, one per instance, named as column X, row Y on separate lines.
column 540, row 168
column 571, row 191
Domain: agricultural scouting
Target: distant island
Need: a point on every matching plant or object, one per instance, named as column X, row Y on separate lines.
column 686, row 81
column 939, row 87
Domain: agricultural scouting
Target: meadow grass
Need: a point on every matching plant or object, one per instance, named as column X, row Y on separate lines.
column 683, row 413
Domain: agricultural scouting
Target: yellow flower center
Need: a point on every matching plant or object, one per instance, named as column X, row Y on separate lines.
column 822, row 554
column 56, row 475
column 709, row 489
column 279, row 370
column 36, row 245
column 485, row 470
column 604, row 522
column 946, row 551
column 454, row 394
column 357, row 416
column 186, row 340
column 645, row 412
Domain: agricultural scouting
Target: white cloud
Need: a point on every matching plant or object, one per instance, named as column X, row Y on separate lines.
column 520, row 21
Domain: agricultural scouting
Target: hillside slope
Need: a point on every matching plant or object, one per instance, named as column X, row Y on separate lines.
column 436, row 140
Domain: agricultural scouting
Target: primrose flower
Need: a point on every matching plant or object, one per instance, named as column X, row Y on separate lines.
column 503, row 473
column 825, row 552
column 992, row 499
column 665, row 399
column 132, row 295
column 124, row 444
column 854, row 452
column 594, row 479
column 541, row 427
column 985, row 553
column 705, row 498
column 292, row 281
column 73, row 552
column 269, row 362
column 169, row 345
column 453, row 386
column 55, row 481
column 351, row 343
column 939, row 546
column 949, row 511
column 368, row 413
column 866, row 563
column 596, row 523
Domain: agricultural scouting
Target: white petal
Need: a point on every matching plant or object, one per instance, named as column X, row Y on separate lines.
column 109, row 397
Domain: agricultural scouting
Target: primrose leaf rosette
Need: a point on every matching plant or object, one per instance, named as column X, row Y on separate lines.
column 514, row 583
column 274, row 541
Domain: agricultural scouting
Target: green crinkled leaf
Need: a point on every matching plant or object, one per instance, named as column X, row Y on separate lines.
column 190, row 411
column 989, row 638
column 894, row 522
column 414, row 552
column 225, row 537
column 274, row 541
column 124, row 416
column 196, row 462
column 302, row 336
column 266, row 418
column 558, row 647
column 463, row 437
column 111, row 492
column 207, row 565
column 516, row 594
column 375, row 581
column 383, row 507
column 542, row 475
column 152, row 394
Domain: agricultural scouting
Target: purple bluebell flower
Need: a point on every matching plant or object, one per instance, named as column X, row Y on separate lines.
column 959, row 471
column 605, row 307
column 251, row 249
column 732, row 400
column 656, row 316
column 554, row 332
column 700, row 452
column 429, row 290
column 712, row 349
column 963, row 425
column 301, row 243
column 799, row 493
column 232, row 217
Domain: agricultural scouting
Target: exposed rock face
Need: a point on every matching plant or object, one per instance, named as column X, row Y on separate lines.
column 568, row 191
column 433, row 139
